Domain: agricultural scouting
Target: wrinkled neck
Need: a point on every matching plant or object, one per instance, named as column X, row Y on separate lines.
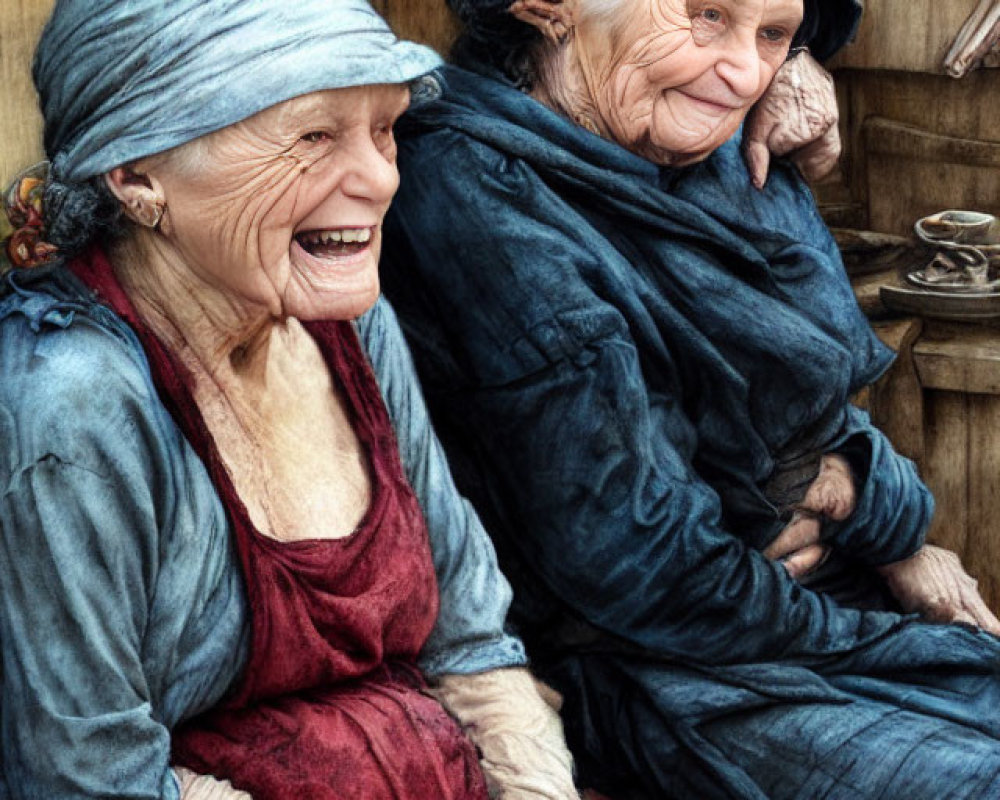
column 209, row 328
column 564, row 85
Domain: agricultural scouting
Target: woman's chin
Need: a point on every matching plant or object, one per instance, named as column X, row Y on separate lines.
column 683, row 151
column 332, row 287
column 309, row 304
column 678, row 139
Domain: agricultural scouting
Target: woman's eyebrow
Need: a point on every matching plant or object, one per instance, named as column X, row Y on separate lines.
column 789, row 14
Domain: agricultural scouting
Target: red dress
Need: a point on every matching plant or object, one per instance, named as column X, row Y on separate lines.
column 331, row 704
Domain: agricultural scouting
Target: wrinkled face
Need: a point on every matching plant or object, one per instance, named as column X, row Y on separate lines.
column 284, row 210
column 676, row 78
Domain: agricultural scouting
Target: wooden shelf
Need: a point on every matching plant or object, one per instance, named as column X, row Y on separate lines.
column 959, row 358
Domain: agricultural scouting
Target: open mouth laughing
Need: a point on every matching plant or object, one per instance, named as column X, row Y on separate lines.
column 335, row 242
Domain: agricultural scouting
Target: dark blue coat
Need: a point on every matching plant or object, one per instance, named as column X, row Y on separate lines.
column 620, row 359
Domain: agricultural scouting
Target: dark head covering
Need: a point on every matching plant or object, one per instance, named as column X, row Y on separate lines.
column 119, row 80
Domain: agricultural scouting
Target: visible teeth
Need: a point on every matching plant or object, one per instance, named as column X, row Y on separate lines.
column 357, row 235
column 347, row 235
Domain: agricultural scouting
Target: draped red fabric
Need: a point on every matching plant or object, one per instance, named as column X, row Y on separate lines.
column 331, row 703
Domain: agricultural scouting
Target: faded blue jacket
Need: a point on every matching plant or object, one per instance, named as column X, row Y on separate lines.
column 121, row 603
column 622, row 360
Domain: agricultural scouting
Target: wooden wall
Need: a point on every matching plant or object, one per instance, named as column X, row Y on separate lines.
column 427, row 21
column 21, row 21
column 911, row 35
column 20, row 123
column 916, row 140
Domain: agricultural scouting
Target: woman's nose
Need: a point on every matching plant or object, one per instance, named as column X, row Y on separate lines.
column 372, row 173
column 739, row 66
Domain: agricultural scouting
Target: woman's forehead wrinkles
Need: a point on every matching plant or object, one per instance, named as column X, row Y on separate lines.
column 788, row 11
column 304, row 109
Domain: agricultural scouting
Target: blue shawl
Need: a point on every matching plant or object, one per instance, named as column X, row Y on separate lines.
column 623, row 356
column 620, row 360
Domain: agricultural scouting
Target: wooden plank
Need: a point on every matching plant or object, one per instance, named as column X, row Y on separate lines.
column 908, row 98
column 21, row 22
column 959, row 358
column 866, row 291
column 896, row 400
column 927, row 171
column 922, row 188
column 945, row 468
column 896, row 189
column 887, row 137
column 912, row 35
column 428, row 21
column 981, row 554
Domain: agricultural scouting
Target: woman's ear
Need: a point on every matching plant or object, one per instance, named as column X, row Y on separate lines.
column 556, row 19
column 140, row 194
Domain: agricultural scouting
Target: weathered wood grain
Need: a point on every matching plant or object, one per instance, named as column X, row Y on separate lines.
column 960, row 358
column 982, row 544
column 912, row 172
column 912, row 35
column 946, row 467
column 426, row 21
column 896, row 400
column 893, row 189
column 20, row 122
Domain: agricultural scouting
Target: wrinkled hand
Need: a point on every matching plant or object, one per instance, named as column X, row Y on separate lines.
column 830, row 496
column 797, row 117
column 933, row 583
column 554, row 18
column 205, row 787
column 520, row 735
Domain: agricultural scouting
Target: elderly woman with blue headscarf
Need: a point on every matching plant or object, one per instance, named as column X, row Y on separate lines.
column 229, row 541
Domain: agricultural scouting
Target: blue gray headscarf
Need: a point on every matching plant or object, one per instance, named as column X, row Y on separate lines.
column 119, row 80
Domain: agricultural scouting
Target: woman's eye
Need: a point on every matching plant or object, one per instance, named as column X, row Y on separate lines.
column 773, row 34
column 383, row 134
column 711, row 15
column 314, row 136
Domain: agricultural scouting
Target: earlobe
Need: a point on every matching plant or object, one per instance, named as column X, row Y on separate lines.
column 140, row 194
column 556, row 19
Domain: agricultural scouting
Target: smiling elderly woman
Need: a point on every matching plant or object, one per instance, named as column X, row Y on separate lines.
column 640, row 365
column 217, row 489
